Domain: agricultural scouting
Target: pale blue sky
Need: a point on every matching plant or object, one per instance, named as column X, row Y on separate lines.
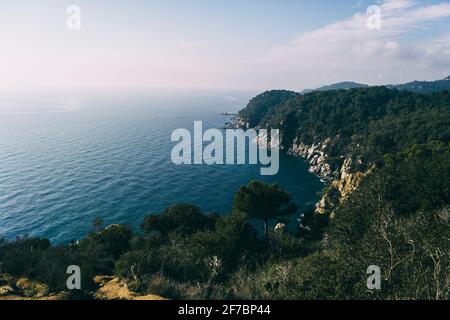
column 246, row 44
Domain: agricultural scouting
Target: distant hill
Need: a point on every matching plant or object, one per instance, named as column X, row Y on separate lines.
column 414, row 86
column 424, row 86
column 337, row 86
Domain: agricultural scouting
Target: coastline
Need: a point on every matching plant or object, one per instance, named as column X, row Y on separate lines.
column 340, row 182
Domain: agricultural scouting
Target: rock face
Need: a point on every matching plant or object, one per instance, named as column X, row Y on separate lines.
column 340, row 188
column 26, row 289
column 237, row 123
column 6, row 291
column 343, row 181
column 30, row 288
column 112, row 288
column 280, row 227
column 329, row 202
column 348, row 180
column 316, row 157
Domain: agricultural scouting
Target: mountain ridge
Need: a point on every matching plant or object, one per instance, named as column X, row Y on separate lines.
column 345, row 85
column 414, row 86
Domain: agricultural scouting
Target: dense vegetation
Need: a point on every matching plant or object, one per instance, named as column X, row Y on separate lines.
column 414, row 86
column 265, row 103
column 397, row 219
column 425, row 86
column 364, row 123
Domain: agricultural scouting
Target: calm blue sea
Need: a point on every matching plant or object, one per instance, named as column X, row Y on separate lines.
column 64, row 162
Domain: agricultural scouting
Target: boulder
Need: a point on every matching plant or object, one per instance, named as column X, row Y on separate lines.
column 280, row 227
column 117, row 289
column 6, row 291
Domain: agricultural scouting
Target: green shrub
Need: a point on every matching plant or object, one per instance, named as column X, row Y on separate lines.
column 184, row 219
column 103, row 248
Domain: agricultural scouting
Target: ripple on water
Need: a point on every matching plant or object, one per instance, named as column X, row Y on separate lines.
column 60, row 170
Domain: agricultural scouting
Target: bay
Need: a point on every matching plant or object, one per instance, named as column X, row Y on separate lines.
column 65, row 161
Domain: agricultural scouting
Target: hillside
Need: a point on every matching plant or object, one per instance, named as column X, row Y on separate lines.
column 414, row 86
column 425, row 86
column 337, row 86
column 345, row 133
column 363, row 123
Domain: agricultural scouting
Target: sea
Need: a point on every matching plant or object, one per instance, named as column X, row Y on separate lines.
column 66, row 160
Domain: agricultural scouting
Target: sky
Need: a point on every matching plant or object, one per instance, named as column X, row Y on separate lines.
column 220, row 44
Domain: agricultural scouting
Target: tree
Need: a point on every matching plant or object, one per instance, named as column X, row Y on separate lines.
column 234, row 241
column 263, row 201
column 184, row 219
column 103, row 248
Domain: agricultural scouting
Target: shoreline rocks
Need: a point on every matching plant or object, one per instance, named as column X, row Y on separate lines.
column 342, row 181
column 316, row 157
column 237, row 122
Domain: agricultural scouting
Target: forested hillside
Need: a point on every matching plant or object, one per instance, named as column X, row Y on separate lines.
column 364, row 123
column 425, row 86
column 414, row 86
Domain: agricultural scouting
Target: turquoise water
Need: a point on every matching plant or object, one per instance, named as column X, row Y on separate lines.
column 65, row 162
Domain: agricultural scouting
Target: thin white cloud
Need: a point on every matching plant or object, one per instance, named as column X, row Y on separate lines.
column 348, row 50
column 412, row 15
column 412, row 44
column 397, row 5
column 433, row 12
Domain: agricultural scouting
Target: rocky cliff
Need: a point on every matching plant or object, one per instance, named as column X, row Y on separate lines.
column 342, row 181
column 316, row 157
